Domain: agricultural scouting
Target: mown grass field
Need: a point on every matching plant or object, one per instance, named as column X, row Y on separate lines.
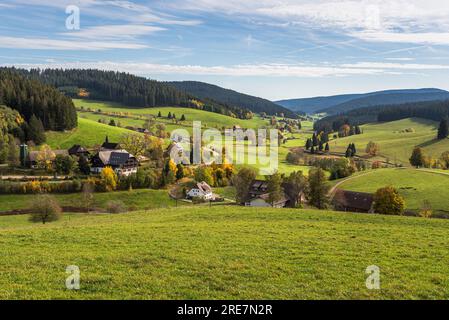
column 395, row 144
column 414, row 185
column 89, row 133
column 231, row 253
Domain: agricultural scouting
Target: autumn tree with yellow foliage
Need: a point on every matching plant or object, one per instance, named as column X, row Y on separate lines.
column 109, row 179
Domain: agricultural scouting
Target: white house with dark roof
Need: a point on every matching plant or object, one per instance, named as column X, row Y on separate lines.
column 201, row 190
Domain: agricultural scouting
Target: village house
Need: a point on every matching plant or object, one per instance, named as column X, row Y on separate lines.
column 351, row 201
column 201, row 190
column 109, row 145
column 258, row 196
column 78, row 151
column 121, row 161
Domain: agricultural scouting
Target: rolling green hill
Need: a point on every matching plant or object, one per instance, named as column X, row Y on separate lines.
column 233, row 253
column 414, row 185
column 213, row 120
column 396, row 144
column 88, row 133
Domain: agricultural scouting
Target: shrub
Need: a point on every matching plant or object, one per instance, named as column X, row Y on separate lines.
column 45, row 209
column 388, row 201
column 115, row 206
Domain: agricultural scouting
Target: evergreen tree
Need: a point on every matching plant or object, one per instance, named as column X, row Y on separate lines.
column 179, row 171
column 312, row 150
column 321, row 147
column 36, row 131
column 308, row 144
column 353, row 149
column 327, row 149
column 274, row 188
column 358, row 130
column 112, row 123
column 315, row 140
column 169, row 115
column 318, row 189
column 183, row 118
column 443, row 130
column 348, row 153
column 159, row 114
column 417, row 158
column 83, row 165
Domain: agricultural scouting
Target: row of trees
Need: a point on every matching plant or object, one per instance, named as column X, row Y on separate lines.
column 420, row 160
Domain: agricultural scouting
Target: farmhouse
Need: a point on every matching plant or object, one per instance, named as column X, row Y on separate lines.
column 121, row 161
column 258, row 196
column 201, row 190
column 78, row 151
column 351, row 201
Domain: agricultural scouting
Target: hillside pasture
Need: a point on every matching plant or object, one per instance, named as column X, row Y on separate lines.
column 414, row 185
column 396, row 144
column 89, row 133
column 232, row 253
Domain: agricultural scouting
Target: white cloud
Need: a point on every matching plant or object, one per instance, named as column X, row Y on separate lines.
column 51, row 44
column 114, row 31
column 391, row 66
column 401, row 21
column 277, row 70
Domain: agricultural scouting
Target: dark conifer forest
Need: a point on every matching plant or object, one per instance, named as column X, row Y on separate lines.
column 33, row 98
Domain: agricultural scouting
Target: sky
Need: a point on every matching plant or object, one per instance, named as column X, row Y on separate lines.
column 275, row 49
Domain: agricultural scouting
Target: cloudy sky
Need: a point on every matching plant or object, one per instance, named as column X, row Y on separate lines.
column 270, row 48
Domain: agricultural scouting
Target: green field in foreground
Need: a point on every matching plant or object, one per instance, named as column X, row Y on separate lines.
column 414, row 185
column 230, row 253
column 395, row 144
column 89, row 133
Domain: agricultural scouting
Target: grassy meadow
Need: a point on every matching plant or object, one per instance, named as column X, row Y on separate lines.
column 89, row 133
column 232, row 253
column 414, row 185
column 396, row 144
column 209, row 119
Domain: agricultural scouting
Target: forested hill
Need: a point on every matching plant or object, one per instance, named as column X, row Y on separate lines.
column 431, row 110
column 126, row 89
column 230, row 97
column 344, row 103
column 30, row 97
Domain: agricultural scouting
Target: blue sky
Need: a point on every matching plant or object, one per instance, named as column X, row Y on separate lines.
column 275, row 49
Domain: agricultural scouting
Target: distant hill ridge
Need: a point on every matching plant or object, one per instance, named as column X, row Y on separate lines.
column 344, row 103
column 232, row 98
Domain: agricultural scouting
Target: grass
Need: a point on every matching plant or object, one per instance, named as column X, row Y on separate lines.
column 395, row 144
column 231, row 253
column 211, row 119
column 89, row 133
column 414, row 185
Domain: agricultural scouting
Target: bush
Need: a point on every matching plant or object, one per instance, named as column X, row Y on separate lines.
column 115, row 206
column 45, row 209
column 388, row 201
column 198, row 200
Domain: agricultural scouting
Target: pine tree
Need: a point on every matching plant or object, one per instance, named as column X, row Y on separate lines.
column 321, row 147
column 169, row 115
column 36, row 131
column 274, row 188
column 308, row 144
column 327, row 149
column 183, row 118
column 417, row 158
column 312, row 150
column 315, row 140
column 159, row 114
column 443, row 130
column 353, row 149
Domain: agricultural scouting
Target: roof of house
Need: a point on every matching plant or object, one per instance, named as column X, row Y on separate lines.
column 203, row 186
column 258, row 187
column 77, row 149
column 33, row 154
column 110, row 146
column 114, row 157
column 265, row 197
column 354, row 200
